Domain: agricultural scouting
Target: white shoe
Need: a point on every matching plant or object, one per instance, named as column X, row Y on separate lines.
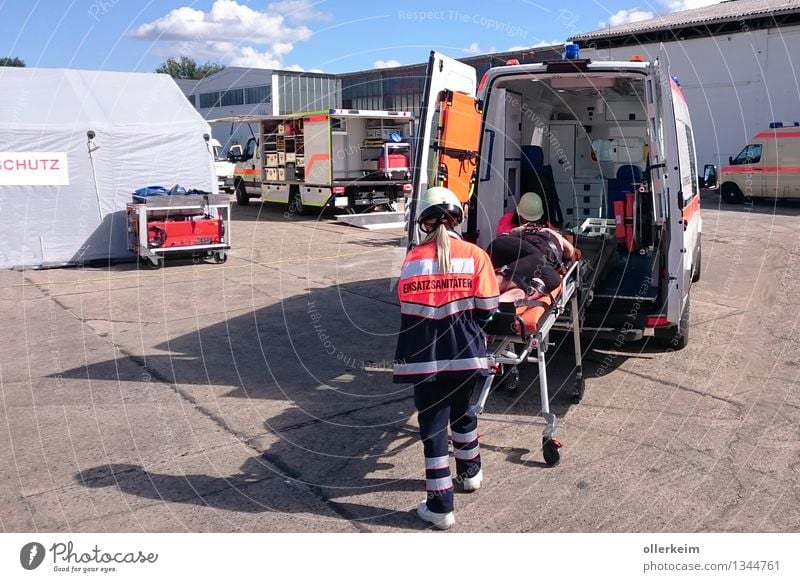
column 473, row 483
column 439, row 520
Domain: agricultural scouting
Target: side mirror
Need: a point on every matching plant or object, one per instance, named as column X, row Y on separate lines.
column 710, row 179
column 730, row 160
column 235, row 153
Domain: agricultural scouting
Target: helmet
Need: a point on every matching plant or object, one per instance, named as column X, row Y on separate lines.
column 530, row 207
column 440, row 202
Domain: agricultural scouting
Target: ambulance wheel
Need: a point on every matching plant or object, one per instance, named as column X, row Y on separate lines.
column 675, row 337
column 242, row 199
column 550, row 451
column 698, row 264
column 580, row 388
column 731, row 193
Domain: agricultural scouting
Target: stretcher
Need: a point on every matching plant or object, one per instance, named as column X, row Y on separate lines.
column 519, row 332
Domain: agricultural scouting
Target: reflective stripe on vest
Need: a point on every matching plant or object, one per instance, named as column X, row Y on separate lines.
column 431, row 267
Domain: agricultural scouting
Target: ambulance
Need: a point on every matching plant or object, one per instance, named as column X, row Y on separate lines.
column 767, row 167
column 350, row 159
column 608, row 145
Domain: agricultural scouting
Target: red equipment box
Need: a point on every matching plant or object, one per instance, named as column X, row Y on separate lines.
column 395, row 161
column 185, row 233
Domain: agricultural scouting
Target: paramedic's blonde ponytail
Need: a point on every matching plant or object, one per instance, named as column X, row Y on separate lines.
column 442, row 239
column 440, row 210
column 443, row 248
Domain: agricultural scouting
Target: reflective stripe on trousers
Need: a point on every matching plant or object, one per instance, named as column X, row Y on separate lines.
column 441, row 404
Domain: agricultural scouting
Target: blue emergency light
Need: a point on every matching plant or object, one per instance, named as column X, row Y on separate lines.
column 677, row 80
column 572, row 51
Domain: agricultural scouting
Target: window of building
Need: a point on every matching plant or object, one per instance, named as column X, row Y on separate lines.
column 260, row 94
column 209, row 99
column 232, row 97
column 192, row 100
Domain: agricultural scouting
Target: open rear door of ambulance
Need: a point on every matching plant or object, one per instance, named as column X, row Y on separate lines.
column 446, row 151
column 672, row 175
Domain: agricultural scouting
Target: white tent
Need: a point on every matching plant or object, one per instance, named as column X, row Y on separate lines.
column 62, row 194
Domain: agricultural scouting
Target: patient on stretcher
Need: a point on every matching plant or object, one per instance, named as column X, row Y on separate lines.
column 526, row 266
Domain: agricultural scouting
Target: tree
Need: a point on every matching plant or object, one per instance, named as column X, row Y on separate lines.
column 11, row 62
column 187, row 68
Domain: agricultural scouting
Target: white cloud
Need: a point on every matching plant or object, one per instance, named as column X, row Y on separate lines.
column 386, row 64
column 475, row 49
column 299, row 10
column 264, row 36
column 676, row 5
column 626, row 17
column 472, row 49
column 250, row 57
column 540, row 44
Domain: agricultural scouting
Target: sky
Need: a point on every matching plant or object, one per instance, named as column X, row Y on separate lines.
column 333, row 36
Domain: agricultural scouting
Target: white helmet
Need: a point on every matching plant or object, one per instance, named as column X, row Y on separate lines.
column 530, row 206
column 440, row 202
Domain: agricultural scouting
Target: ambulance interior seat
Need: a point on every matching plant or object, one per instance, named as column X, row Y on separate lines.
column 617, row 187
column 536, row 177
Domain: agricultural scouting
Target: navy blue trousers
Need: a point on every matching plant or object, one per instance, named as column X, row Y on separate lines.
column 439, row 404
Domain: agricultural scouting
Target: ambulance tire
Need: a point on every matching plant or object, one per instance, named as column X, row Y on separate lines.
column 731, row 193
column 242, row 198
column 676, row 337
column 698, row 265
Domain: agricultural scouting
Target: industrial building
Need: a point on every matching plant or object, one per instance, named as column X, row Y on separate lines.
column 735, row 62
column 246, row 91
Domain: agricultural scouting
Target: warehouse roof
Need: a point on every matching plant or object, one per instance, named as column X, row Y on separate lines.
column 732, row 11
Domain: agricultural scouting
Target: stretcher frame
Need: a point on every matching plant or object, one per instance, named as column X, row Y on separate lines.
column 507, row 354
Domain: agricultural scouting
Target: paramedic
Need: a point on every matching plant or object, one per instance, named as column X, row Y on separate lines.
column 530, row 254
column 527, row 223
column 529, row 209
column 447, row 287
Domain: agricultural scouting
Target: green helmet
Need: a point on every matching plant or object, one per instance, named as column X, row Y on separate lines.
column 440, row 202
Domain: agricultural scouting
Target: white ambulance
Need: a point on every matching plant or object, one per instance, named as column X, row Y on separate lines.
column 596, row 140
column 767, row 167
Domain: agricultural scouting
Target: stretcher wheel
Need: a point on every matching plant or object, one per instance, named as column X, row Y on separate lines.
column 153, row 263
column 509, row 379
column 580, row 388
column 550, row 451
column 220, row 257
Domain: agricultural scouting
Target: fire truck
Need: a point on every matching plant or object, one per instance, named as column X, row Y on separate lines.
column 351, row 159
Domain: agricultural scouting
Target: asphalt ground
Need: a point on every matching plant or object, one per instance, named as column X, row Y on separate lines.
column 257, row 396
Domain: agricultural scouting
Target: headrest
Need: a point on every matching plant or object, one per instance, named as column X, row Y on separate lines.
column 629, row 173
column 533, row 155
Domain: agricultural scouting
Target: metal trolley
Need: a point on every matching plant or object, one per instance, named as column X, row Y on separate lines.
column 513, row 345
column 203, row 220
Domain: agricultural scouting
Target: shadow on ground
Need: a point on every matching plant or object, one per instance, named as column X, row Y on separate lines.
column 318, row 366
